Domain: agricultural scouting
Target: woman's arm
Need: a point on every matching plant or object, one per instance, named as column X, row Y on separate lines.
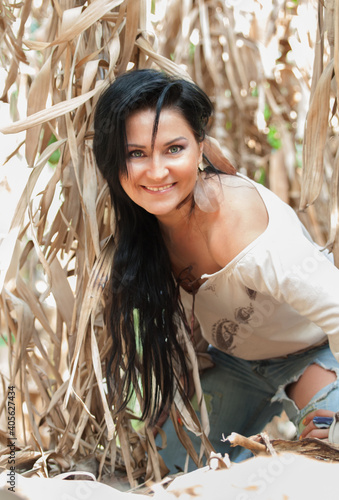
column 292, row 270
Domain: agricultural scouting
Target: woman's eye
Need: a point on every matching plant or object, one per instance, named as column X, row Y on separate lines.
column 135, row 154
column 175, row 149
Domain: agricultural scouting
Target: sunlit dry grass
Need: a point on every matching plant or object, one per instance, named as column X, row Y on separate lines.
column 256, row 62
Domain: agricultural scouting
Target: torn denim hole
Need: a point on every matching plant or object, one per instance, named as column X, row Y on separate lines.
column 327, row 398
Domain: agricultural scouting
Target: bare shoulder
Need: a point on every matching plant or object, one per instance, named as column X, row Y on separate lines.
column 242, row 218
column 241, row 195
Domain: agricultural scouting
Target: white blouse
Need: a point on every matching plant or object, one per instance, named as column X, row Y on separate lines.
column 278, row 296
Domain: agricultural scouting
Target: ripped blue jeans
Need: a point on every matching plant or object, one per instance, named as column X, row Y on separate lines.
column 243, row 396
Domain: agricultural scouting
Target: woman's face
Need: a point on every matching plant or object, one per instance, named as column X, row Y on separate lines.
column 160, row 179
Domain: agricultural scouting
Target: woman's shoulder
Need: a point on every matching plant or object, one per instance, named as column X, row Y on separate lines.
column 243, row 204
column 249, row 197
column 240, row 190
column 242, row 218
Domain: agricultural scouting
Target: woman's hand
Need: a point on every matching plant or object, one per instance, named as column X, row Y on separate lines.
column 311, row 431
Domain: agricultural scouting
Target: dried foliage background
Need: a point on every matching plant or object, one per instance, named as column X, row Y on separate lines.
column 270, row 67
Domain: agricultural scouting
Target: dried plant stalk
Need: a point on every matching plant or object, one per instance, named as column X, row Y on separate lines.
column 56, row 262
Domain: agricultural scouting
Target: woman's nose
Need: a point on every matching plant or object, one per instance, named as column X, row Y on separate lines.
column 158, row 168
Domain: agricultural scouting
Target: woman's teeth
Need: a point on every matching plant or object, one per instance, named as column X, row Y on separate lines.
column 162, row 188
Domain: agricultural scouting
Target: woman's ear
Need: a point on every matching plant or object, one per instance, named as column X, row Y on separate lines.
column 212, row 151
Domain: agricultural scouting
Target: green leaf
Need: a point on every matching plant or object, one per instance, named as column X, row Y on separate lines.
column 260, row 176
column 267, row 112
column 4, row 340
column 273, row 138
column 54, row 158
column 191, row 51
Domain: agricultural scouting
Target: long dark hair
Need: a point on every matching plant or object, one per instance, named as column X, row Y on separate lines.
column 144, row 308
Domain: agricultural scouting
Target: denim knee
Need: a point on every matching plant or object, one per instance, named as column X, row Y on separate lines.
column 326, row 398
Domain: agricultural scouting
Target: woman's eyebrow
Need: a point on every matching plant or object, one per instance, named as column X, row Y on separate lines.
column 141, row 146
column 175, row 140
column 136, row 146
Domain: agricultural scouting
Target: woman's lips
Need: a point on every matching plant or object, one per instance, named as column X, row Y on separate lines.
column 156, row 189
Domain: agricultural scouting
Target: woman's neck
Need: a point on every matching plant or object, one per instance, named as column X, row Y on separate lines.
column 188, row 245
column 185, row 224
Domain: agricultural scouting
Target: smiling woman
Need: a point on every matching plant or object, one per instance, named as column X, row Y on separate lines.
column 148, row 138
column 204, row 270
column 161, row 175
